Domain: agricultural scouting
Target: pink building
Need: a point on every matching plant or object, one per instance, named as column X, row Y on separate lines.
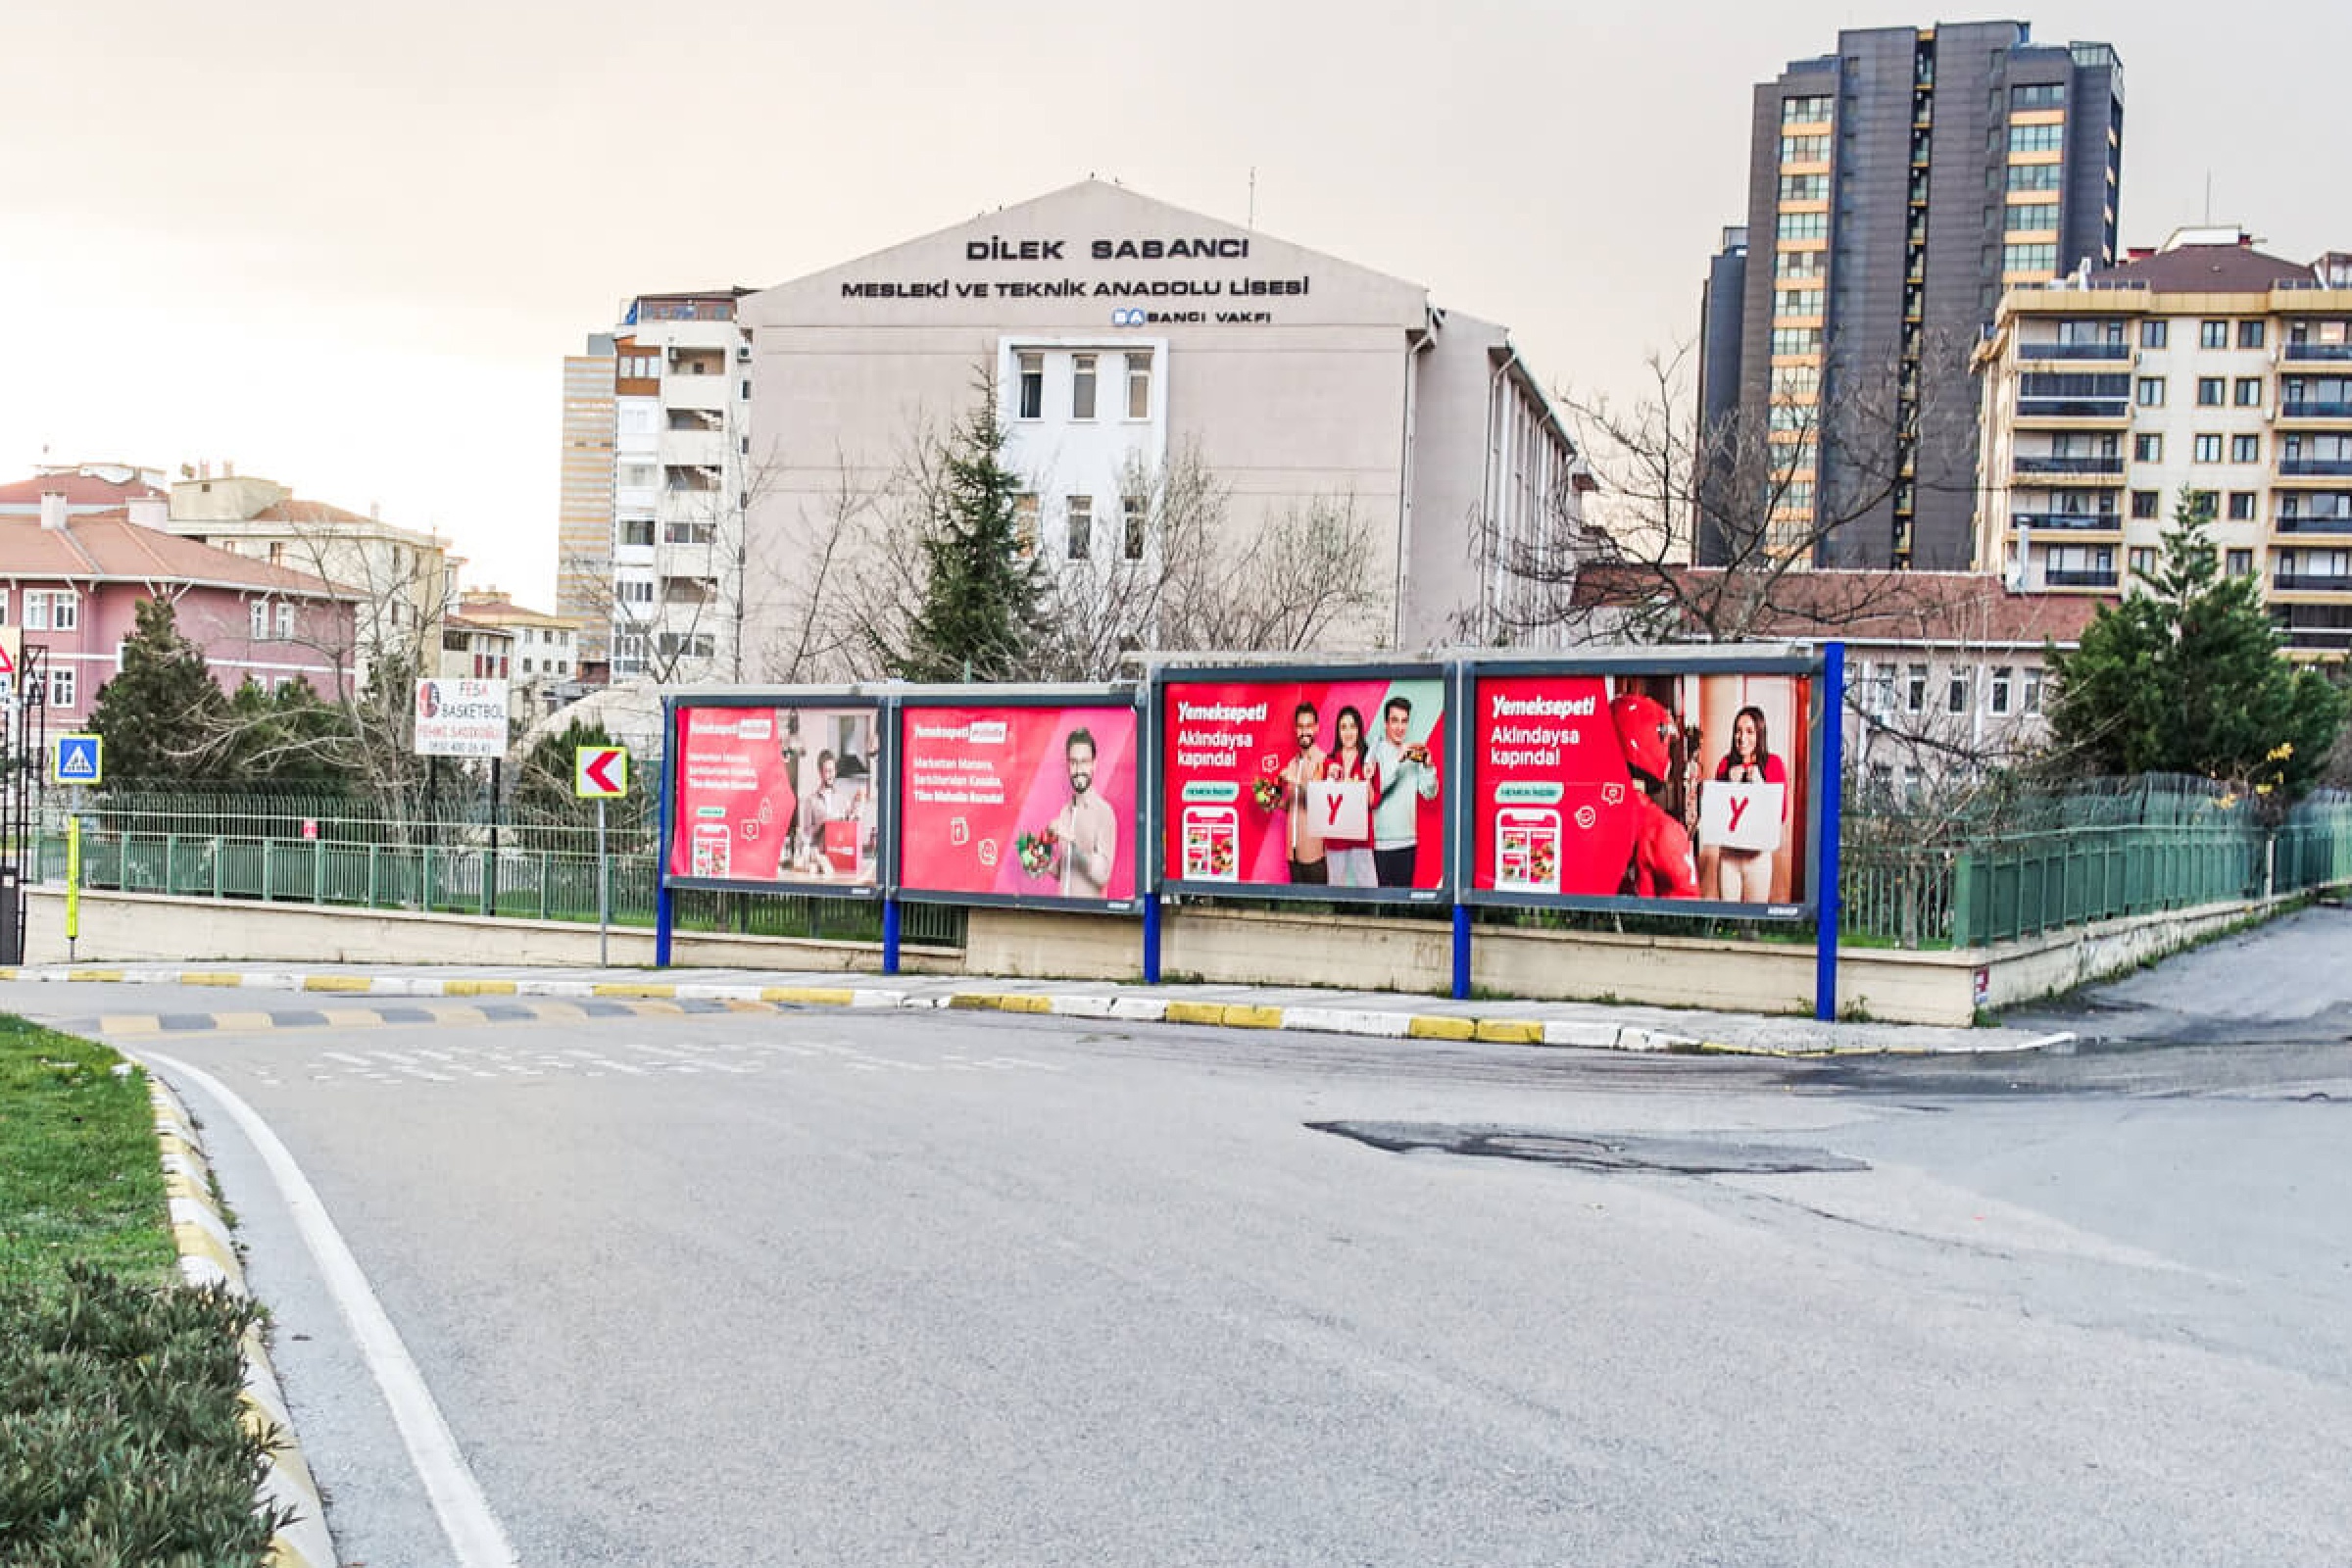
column 71, row 583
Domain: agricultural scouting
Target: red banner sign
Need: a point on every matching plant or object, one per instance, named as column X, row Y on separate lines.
column 1018, row 801
column 1307, row 783
column 783, row 794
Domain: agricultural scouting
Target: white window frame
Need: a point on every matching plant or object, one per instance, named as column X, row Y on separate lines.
column 1915, row 689
column 37, row 610
column 1996, row 691
column 62, row 685
column 1086, row 386
column 1139, row 379
column 257, row 620
column 65, row 609
column 285, row 622
column 1078, row 543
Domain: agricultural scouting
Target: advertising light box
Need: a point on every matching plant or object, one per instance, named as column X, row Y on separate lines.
column 1616, row 788
column 1020, row 801
column 1305, row 784
column 777, row 795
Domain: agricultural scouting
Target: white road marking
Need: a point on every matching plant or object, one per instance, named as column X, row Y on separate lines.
column 474, row 1532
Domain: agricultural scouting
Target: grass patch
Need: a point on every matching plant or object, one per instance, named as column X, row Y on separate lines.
column 80, row 1182
column 119, row 1431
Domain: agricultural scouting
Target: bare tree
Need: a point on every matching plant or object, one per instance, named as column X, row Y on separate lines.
column 1764, row 495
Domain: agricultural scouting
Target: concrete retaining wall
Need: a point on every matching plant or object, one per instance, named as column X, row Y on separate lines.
column 1234, row 947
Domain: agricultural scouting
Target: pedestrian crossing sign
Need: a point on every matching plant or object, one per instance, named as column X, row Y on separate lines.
column 75, row 759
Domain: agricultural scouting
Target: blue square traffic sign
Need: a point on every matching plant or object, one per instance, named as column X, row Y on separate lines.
column 75, row 759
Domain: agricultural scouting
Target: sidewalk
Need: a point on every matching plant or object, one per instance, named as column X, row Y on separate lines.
column 1388, row 1015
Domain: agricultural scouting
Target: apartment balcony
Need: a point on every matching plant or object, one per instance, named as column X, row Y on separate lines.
column 2313, row 582
column 2308, row 409
column 2079, row 577
column 2317, row 639
column 2063, row 469
column 2327, row 522
column 702, row 449
column 2318, row 351
column 2315, row 467
column 2074, row 410
column 695, row 391
column 2068, row 521
column 2097, row 353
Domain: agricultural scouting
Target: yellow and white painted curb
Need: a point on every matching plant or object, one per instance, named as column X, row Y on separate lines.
column 208, row 1256
column 1125, row 1006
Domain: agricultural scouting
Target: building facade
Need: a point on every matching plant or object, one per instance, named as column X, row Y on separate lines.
column 71, row 584
column 1895, row 188
column 658, row 474
column 2201, row 368
column 406, row 580
column 1129, row 341
column 542, row 655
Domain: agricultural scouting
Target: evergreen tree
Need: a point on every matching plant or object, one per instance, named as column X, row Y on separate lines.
column 982, row 615
column 2185, row 676
column 163, row 715
column 543, row 784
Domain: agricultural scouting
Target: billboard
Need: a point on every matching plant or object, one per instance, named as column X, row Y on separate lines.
column 1634, row 787
column 1305, row 783
column 460, row 719
column 775, row 794
column 1020, row 801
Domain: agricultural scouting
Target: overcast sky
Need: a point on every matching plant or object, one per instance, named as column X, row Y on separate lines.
column 347, row 246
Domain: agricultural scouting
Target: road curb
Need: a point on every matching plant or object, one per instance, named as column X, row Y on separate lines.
column 1594, row 1033
column 208, row 1256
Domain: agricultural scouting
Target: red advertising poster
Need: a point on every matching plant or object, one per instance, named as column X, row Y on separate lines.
column 784, row 795
column 1669, row 787
column 1018, row 801
column 1307, row 783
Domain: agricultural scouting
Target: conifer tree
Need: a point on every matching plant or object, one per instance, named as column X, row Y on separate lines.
column 982, row 615
column 162, row 714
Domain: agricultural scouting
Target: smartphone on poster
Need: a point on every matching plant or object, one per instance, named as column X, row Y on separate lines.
column 1527, row 848
column 713, row 849
column 1212, row 843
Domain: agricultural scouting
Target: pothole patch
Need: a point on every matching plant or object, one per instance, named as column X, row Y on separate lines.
column 1594, row 1152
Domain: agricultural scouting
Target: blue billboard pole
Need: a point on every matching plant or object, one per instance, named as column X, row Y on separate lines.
column 662, row 910
column 1830, row 788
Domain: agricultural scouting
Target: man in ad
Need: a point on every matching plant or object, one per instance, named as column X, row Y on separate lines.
column 1404, row 776
column 1087, row 827
column 1305, row 842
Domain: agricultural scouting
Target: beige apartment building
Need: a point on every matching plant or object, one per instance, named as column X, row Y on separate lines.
column 2204, row 365
column 1126, row 336
column 541, row 652
column 407, row 579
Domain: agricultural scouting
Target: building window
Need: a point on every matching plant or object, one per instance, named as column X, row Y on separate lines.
column 1955, row 692
column 1804, row 187
column 61, row 686
column 2032, row 702
column 2034, row 176
column 1796, row 340
column 2208, row 449
column 3, row 607
column 2241, row 563
column 2152, row 334
column 1804, row 149
column 1915, row 689
column 2241, row 505
column 2147, row 448
column 2211, row 391
column 2036, row 138
column 2249, row 391
column 1024, row 524
column 2029, row 257
column 2204, row 503
column 2025, row 218
column 1132, row 531
column 2245, row 449
column 1803, row 111
column 1804, row 225
column 2150, row 392
column 2249, row 334
column 286, row 622
column 1996, row 691
column 257, row 620
column 65, row 609
column 2144, row 503
column 2142, row 560
column 1082, row 386
column 1032, row 386
column 1082, row 527
column 37, row 610
column 1139, row 387
column 2213, row 334
column 2040, row 95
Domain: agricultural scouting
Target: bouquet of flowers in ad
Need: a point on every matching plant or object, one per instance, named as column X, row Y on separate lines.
column 1040, row 851
column 1269, row 793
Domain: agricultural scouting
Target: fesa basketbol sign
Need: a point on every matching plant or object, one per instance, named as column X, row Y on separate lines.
column 1320, row 783
column 781, row 794
column 461, row 717
column 1675, row 786
column 1018, row 801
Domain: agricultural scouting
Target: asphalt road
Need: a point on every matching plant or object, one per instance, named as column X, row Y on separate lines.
column 838, row 1288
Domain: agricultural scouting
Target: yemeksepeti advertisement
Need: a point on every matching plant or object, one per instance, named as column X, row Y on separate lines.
column 1670, row 787
column 1018, row 801
column 1305, row 783
column 784, row 795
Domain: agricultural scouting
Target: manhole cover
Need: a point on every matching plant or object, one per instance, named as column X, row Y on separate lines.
column 1601, row 1151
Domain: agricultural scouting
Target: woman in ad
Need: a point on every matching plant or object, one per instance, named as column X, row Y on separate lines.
column 1744, row 875
column 1351, row 859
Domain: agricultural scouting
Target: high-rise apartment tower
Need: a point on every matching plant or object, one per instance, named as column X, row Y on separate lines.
column 1895, row 189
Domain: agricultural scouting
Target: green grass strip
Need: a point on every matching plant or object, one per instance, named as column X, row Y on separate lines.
column 79, row 1180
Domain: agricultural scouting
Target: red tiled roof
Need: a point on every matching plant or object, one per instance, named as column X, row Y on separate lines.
column 108, row 545
column 81, row 490
column 1860, row 606
column 2205, row 269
